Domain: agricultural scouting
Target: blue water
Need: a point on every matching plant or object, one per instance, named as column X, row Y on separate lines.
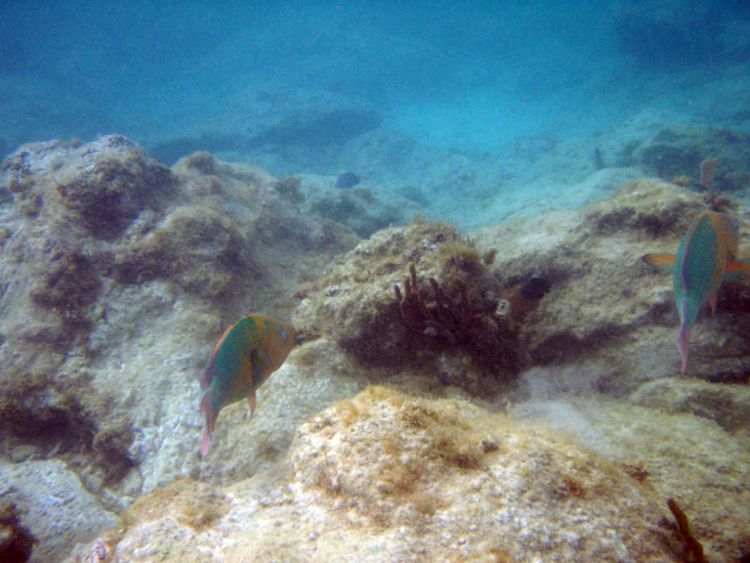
column 272, row 82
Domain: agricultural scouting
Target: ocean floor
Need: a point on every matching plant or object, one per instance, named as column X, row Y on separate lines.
column 485, row 368
column 543, row 402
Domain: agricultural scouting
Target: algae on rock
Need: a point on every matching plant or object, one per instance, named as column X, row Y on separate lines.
column 356, row 305
column 395, row 476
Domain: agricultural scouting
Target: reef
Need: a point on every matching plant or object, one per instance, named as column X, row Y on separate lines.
column 359, row 207
column 444, row 323
column 525, row 397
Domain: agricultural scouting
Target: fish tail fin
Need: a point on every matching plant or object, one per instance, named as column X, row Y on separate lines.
column 683, row 345
column 209, row 422
column 205, row 441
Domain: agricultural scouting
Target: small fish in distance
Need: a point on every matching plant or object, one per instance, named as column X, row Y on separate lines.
column 245, row 356
column 707, row 255
column 347, row 180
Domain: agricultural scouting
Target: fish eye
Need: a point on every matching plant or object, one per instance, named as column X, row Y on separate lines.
column 285, row 335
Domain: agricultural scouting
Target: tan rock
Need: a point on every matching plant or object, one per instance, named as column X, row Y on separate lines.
column 390, row 476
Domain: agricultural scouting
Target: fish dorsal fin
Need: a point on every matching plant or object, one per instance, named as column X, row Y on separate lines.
column 661, row 261
column 208, row 372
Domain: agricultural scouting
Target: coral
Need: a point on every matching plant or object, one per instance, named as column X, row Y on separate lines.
column 693, row 548
column 445, row 323
column 460, row 316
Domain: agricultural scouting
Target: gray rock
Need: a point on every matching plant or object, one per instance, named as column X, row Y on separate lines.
column 54, row 505
column 727, row 405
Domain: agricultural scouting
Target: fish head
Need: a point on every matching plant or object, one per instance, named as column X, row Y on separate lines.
column 727, row 228
column 279, row 341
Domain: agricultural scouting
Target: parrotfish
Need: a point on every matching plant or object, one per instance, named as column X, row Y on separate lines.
column 245, row 356
column 707, row 255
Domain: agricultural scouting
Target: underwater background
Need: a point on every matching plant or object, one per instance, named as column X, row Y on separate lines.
column 449, row 201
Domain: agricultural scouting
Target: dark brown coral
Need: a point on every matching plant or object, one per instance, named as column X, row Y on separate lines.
column 446, row 320
column 693, row 548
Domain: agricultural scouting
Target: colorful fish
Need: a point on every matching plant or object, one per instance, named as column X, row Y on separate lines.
column 245, row 356
column 706, row 257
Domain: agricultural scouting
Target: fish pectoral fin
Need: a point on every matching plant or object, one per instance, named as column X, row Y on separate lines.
column 251, row 403
column 660, row 261
column 737, row 269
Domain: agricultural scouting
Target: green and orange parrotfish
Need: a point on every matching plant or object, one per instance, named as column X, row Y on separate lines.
column 245, row 356
column 707, row 255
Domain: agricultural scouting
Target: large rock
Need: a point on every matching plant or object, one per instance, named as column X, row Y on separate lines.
column 682, row 456
column 316, row 375
column 118, row 276
column 728, row 405
column 390, row 476
column 672, row 153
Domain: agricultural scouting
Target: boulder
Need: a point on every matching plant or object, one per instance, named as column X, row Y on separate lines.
column 388, row 475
